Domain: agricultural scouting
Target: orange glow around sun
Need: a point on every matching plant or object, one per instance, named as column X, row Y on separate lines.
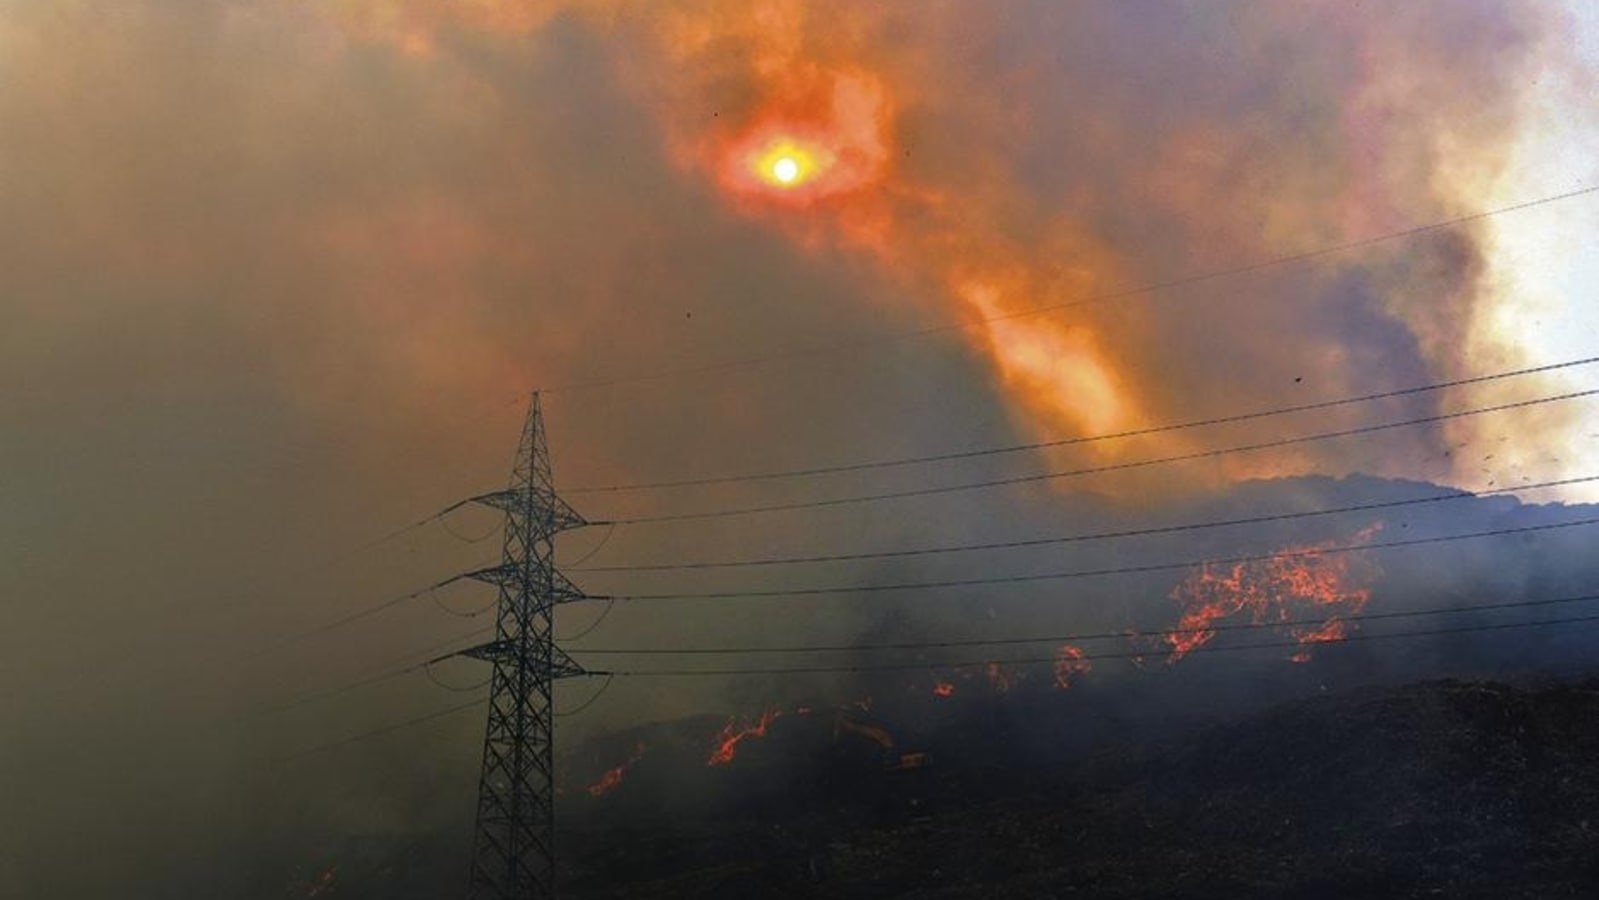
column 825, row 143
column 785, row 164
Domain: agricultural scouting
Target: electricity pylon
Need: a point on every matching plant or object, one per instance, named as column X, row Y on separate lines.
column 513, row 851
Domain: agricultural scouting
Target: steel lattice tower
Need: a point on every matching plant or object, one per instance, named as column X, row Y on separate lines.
column 513, row 853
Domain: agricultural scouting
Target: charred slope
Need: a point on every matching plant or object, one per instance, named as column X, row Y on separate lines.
column 1449, row 788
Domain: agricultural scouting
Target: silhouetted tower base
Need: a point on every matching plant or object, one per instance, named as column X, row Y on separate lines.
column 513, row 852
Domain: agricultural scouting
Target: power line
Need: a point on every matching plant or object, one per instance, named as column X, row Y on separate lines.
column 389, row 674
column 1084, row 637
column 397, row 600
column 387, row 604
column 1098, row 470
column 1150, row 288
column 1080, row 538
column 1207, row 648
column 392, row 602
column 351, row 618
column 610, row 529
column 385, row 674
column 386, row 729
column 591, row 700
column 1094, row 573
column 427, row 669
column 1064, row 442
column 610, row 604
column 951, row 644
column 923, row 666
column 692, row 651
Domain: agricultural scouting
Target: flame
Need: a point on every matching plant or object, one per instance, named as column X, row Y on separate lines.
column 323, row 883
column 1069, row 663
column 613, row 775
column 1293, row 583
column 943, row 688
column 726, row 743
column 999, row 678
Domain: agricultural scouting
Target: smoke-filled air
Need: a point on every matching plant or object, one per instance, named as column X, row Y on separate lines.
column 760, row 447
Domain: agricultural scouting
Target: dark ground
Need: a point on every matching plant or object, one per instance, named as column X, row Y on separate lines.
column 1440, row 789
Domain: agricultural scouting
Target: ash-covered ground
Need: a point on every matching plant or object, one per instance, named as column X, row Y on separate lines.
column 1442, row 788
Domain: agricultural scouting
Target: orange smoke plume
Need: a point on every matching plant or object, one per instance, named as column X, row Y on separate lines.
column 992, row 172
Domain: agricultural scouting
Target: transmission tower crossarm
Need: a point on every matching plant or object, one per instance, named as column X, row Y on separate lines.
column 511, row 574
column 510, row 652
column 554, row 514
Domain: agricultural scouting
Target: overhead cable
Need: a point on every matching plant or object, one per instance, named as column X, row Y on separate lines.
column 1100, row 470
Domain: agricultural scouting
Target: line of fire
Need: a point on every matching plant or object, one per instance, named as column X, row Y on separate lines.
column 1301, row 593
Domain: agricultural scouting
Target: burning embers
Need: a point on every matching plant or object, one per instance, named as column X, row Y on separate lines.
column 1303, row 590
column 322, row 884
column 1000, row 679
column 1070, row 662
column 613, row 775
column 727, row 740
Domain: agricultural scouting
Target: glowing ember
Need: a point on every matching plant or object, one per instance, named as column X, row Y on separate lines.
column 999, row 679
column 1069, row 663
column 323, row 883
column 613, row 776
column 943, row 688
column 727, row 740
column 1295, row 583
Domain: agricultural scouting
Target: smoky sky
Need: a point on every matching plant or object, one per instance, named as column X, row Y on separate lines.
column 277, row 278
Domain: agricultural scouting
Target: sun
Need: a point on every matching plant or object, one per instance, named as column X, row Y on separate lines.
column 786, row 163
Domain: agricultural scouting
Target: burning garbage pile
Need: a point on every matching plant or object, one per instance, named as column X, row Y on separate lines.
column 1309, row 593
column 1305, row 592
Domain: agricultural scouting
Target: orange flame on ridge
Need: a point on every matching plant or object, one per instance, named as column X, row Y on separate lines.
column 1069, row 663
column 613, row 775
column 727, row 740
column 323, row 883
column 1297, row 579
